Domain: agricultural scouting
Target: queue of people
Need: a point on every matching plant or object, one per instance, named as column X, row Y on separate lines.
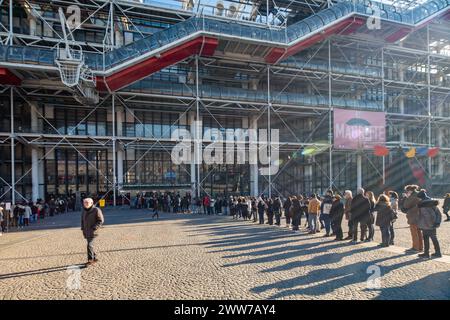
column 23, row 214
column 362, row 212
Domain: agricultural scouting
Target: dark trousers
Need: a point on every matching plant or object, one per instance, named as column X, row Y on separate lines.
column 261, row 217
column 327, row 221
column 427, row 234
column 385, row 235
column 350, row 228
column 391, row 230
column 355, row 229
column 288, row 218
column 277, row 218
column 90, row 249
column 270, row 218
column 296, row 219
column 26, row 221
column 255, row 215
column 155, row 214
column 336, row 226
column 368, row 225
column 446, row 214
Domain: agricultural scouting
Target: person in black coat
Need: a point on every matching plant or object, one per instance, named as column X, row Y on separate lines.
column 359, row 212
column 336, row 215
column 269, row 211
column 91, row 221
column 276, row 206
column 385, row 216
column 261, row 209
column 296, row 213
column 287, row 207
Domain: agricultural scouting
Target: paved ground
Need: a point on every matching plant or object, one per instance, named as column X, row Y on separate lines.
column 198, row 257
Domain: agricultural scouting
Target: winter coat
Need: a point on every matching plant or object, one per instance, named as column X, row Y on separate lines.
column 326, row 205
column 27, row 213
column 336, row 212
column 430, row 216
column 296, row 209
column 412, row 210
column 360, row 211
column 348, row 208
column 261, row 207
column 91, row 220
column 385, row 215
column 314, row 206
column 276, row 206
column 446, row 205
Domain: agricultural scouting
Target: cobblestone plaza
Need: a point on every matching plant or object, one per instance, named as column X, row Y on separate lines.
column 211, row 257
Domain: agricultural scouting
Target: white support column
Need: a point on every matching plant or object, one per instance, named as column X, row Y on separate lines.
column 114, row 148
column 191, row 118
column 254, row 168
column 269, row 135
column 13, row 156
column 401, row 103
column 198, row 134
column 35, row 181
column 11, row 24
column 440, row 158
column 32, row 24
column 330, row 120
column 359, row 171
column 430, row 166
column 34, row 174
column 120, row 151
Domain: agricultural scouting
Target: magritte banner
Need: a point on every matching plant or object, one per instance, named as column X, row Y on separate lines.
column 355, row 129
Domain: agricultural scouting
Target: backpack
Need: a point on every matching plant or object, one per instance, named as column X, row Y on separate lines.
column 438, row 218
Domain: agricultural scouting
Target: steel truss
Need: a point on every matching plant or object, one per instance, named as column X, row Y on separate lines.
column 418, row 50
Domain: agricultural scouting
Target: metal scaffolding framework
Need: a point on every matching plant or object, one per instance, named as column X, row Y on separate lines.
column 408, row 79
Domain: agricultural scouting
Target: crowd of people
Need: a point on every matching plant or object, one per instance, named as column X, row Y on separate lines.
column 362, row 212
column 24, row 213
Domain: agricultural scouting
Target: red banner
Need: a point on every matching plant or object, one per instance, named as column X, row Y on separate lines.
column 355, row 129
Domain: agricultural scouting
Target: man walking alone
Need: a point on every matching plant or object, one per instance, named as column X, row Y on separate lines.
column 91, row 220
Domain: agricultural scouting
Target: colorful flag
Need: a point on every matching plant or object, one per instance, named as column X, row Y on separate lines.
column 381, row 151
column 411, row 153
column 433, row 152
column 422, row 151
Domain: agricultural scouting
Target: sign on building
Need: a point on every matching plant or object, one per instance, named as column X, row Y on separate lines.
column 356, row 129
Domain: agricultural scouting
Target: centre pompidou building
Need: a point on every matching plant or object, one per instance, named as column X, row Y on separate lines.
column 92, row 91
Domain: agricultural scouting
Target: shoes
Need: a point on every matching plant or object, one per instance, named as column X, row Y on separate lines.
column 436, row 255
column 424, row 256
column 348, row 238
column 353, row 242
column 367, row 240
column 326, row 236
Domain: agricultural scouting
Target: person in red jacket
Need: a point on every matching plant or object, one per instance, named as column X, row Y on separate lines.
column 206, row 204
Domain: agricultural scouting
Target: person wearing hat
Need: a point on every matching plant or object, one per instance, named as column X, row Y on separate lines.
column 410, row 206
column 429, row 220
